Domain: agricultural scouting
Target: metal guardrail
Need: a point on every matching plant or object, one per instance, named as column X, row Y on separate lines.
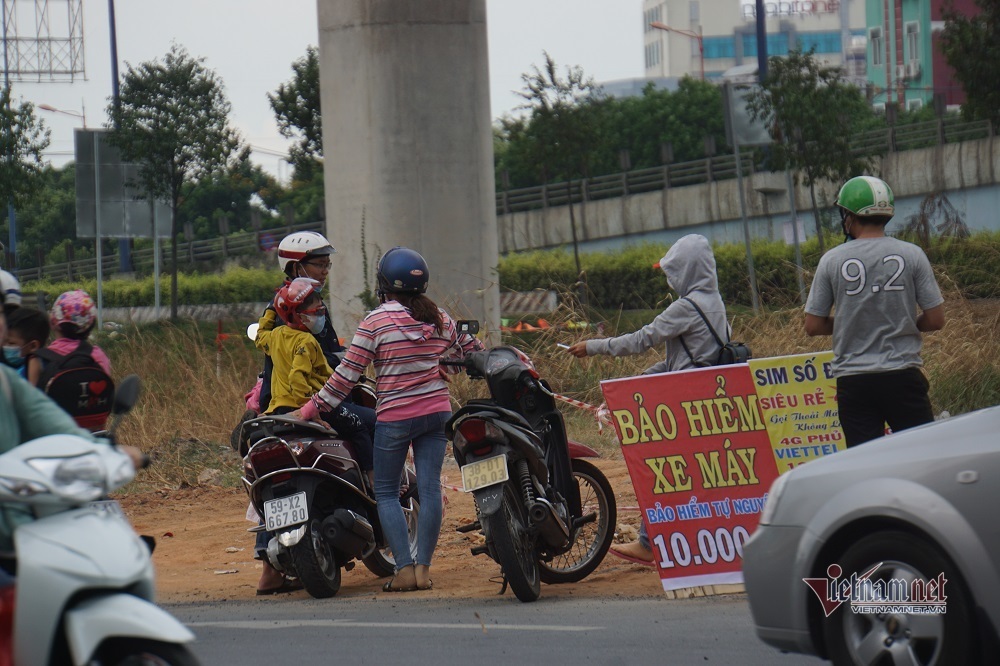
column 188, row 252
column 721, row 167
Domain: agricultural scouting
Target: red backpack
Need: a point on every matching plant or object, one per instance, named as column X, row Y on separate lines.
column 78, row 384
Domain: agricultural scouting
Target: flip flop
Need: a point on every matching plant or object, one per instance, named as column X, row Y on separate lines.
column 389, row 588
column 286, row 586
column 634, row 560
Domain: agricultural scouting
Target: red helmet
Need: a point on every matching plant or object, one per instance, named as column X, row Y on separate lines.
column 289, row 299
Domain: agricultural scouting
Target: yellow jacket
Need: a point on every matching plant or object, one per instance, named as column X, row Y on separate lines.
column 300, row 368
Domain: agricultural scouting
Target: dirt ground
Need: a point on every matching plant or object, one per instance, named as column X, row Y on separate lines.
column 204, row 552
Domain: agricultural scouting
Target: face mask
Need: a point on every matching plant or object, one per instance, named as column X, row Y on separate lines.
column 12, row 354
column 314, row 324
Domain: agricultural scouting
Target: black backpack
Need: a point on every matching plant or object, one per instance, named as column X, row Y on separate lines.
column 78, row 384
column 729, row 352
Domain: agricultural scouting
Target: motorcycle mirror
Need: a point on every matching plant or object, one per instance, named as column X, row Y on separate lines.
column 252, row 331
column 126, row 394
column 467, row 326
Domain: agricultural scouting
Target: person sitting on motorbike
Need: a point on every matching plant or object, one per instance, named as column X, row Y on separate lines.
column 298, row 370
column 299, row 367
column 26, row 413
column 27, row 332
column 307, row 254
column 405, row 338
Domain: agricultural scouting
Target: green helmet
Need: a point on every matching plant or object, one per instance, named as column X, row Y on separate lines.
column 866, row 196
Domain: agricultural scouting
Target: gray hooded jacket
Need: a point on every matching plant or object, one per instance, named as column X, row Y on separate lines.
column 690, row 269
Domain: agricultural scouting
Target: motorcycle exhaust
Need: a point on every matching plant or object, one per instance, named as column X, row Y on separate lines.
column 348, row 532
column 552, row 530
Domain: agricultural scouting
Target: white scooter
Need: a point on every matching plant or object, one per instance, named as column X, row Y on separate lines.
column 84, row 579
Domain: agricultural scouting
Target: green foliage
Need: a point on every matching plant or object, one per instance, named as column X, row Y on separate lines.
column 172, row 118
column 573, row 130
column 296, row 106
column 971, row 45
column 23, row 137
column 234, row 285
column 813, row 116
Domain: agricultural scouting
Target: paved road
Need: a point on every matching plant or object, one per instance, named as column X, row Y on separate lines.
column 392, row 630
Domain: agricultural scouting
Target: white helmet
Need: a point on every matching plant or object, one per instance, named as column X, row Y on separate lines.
column 11, row 288
column 293, row 248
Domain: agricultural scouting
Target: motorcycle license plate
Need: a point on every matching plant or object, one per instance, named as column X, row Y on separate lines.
column 285, row 511
column 110, row 507
column 483, row 473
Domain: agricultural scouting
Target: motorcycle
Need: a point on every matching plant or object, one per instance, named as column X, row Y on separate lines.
column 546, row 514
column 304, row 479
column 82, row 591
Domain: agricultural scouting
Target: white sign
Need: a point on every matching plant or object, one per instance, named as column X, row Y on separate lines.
column 748, row 8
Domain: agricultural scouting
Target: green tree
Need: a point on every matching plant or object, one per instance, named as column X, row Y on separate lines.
column 971, row 45
column 812, row 114
column 23, row 137
column 172, row 118
column 296, row 105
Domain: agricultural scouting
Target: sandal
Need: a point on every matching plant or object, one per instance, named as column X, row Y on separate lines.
column 389, row 588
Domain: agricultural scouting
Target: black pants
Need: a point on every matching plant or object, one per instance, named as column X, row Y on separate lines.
column 867, row 402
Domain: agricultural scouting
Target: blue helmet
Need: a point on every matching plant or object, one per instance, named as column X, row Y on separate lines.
column 402, row 271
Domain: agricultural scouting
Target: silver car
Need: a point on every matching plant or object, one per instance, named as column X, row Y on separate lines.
column 886, row 553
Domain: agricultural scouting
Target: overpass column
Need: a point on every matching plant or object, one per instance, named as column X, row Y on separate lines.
column 408, row 152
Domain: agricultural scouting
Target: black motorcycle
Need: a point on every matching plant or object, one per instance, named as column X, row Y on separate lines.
column 304, row 479
column 546, row 514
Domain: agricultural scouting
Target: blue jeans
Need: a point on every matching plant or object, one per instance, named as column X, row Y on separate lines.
column 392, row 440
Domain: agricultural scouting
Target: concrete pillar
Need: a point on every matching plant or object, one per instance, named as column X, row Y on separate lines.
column 408, row 149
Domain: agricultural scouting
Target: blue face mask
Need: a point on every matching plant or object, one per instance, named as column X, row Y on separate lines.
column 315, row 324
column 12, row 354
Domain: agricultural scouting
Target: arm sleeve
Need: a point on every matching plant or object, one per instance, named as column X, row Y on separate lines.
column 301, row 370
column 359, row 355
column 820, row 300
column 265, row 328
column 102, row 359
column 928, row 293
column 460, row 345
column 668, row 324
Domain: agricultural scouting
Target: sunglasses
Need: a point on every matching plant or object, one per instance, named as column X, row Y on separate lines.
column 322, row 265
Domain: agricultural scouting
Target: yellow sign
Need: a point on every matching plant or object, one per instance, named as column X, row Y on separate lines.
column 798, row 398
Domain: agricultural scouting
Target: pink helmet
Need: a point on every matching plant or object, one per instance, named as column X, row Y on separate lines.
column 75, row 308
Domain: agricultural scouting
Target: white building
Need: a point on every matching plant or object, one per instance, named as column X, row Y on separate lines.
column 712, row 36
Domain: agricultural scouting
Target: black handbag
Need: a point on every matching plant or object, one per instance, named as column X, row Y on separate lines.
column 729, row 352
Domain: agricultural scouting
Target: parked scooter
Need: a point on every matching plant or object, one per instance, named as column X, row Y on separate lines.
column 304, row 479
column 83, row 587
column 547, row 516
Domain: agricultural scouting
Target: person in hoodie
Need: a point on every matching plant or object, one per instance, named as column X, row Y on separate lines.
column 689, row 265
column 405, row 338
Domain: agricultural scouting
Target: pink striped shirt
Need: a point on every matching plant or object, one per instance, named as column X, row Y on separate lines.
column 405, row 353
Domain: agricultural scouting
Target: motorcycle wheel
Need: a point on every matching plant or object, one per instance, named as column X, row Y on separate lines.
column 143, row 652
column 592, row 539
column 381, row 562
column 514, row 546
column 315, row 564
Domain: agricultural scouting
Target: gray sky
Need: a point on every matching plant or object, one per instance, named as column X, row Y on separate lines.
column 251, row 45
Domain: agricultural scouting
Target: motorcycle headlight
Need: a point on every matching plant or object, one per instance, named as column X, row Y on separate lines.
column 80, row 478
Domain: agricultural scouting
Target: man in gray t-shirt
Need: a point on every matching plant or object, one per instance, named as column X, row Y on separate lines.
column 876, row 284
